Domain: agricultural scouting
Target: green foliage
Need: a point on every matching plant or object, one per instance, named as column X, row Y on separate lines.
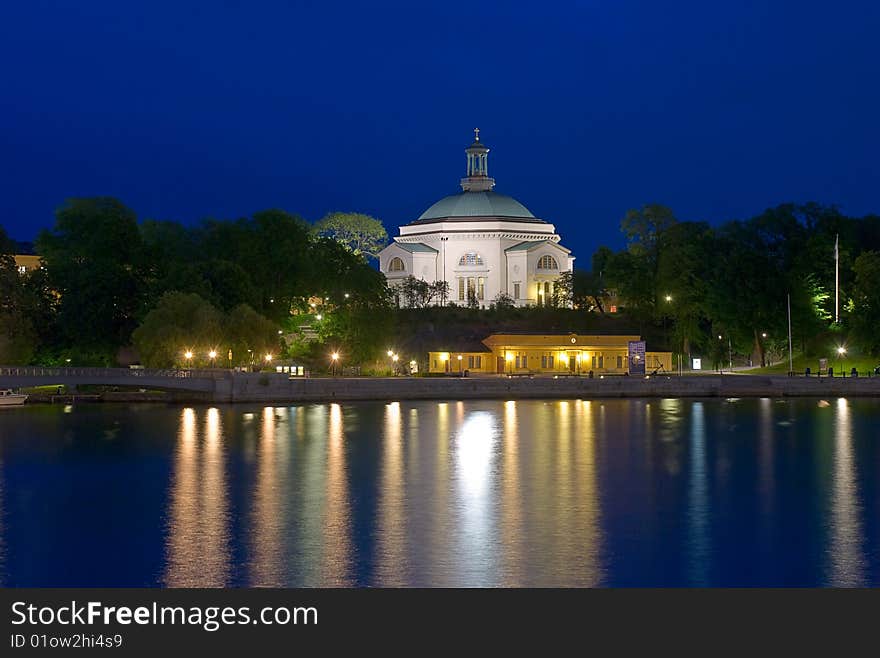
column 183, row 322
column 361, row 234
column 94, row 258
column 865, row 316
column 179, row 322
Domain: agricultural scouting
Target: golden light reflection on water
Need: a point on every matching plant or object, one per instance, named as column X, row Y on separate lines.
column 846, row 552
column 198, row 533
column 391, row 555
column 480, row 494
column 513, row 539
column 267, row 565
column 336, row 565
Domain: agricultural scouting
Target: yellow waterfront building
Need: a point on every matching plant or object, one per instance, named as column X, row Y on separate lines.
column 555, row 354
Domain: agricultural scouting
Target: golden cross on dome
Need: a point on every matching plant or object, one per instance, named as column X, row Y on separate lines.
column 476, row 134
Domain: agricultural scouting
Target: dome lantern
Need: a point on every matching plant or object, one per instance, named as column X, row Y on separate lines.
column 477, row 179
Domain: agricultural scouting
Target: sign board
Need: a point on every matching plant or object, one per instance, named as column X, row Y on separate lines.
column 637, row 357
column 698, row 364
column 823, row 366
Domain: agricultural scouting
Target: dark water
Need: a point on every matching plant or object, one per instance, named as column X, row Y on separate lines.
column 570, row 493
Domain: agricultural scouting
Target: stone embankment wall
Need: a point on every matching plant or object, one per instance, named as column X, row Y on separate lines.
column 273, row 388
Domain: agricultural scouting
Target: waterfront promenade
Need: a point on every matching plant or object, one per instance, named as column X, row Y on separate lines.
column 226, row 386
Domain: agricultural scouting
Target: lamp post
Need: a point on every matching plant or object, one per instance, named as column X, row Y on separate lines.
column 459, row 364
column 188, row 355
column 841, row 353
column 334, row 359
column 508, row 357
column 395, row 358
column 213, row 356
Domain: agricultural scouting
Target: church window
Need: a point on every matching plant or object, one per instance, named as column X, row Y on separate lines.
column 471, row 258
column 481, row 288
column 396, row 265
column 516, row 291
column 461, row 289
column 547, row 262
column 619, row 362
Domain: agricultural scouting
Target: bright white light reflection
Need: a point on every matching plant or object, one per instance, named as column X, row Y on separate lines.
column 474, row 454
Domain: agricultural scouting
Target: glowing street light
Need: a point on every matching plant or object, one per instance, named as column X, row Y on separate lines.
column 268, row 358
column 668, row 298
column 841, row 350
column 188, row 355
column 213, row 356
column 334, row 359
column 319, row 316
column 390, row 353
column 459, row 364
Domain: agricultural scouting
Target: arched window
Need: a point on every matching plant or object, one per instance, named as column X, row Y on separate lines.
column 471, row 258
column 396, row 265
column 547, row 262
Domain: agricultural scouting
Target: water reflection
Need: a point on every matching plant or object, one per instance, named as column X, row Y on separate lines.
column 337, row 542
column 198, row 539
column 516, row 493
column 698, row 502
column 2, row 528
column 846, row 556
column 391, row 554
column 269, row 519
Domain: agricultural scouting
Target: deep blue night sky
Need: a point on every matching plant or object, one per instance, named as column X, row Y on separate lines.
column 187, row 110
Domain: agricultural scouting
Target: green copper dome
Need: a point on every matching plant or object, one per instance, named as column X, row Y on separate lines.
column 477, row 204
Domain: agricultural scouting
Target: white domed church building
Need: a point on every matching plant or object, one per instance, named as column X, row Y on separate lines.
column 481, row 242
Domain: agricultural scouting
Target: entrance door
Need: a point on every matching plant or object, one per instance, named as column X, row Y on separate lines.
column 499, row 365
column 572, row 361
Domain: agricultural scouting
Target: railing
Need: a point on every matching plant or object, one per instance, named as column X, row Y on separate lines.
column 134, row 373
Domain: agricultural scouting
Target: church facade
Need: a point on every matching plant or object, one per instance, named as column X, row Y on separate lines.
column 482, row 243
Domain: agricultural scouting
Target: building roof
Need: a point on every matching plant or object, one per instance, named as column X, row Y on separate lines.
column 483, row 204
column 415, row 246
column 534, row 244
column 570, row 340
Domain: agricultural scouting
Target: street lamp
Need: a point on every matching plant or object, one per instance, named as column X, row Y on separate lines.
column 841, row 353
column 188, row 355
column 395, row 358
column 213, row 356
column 508, row 356
column 268, row 358
column 334, row 359
column 668, row 298
column 319, row 316
column 459, row 365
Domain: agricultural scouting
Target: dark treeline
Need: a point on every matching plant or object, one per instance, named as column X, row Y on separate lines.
column 689, row 282
column 246, row 288
column 108, row 282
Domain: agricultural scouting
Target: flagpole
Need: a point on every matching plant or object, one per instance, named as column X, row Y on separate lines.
column 837, row 279
column 790, row 359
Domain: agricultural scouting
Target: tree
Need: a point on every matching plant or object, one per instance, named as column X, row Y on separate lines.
column 563, row 290
column 361, row 234
column 17, row 336
column 502, row 301
column 865, row 316
column 179, row 322
column 416, row 293
column 248, row 334
column 94, row 259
